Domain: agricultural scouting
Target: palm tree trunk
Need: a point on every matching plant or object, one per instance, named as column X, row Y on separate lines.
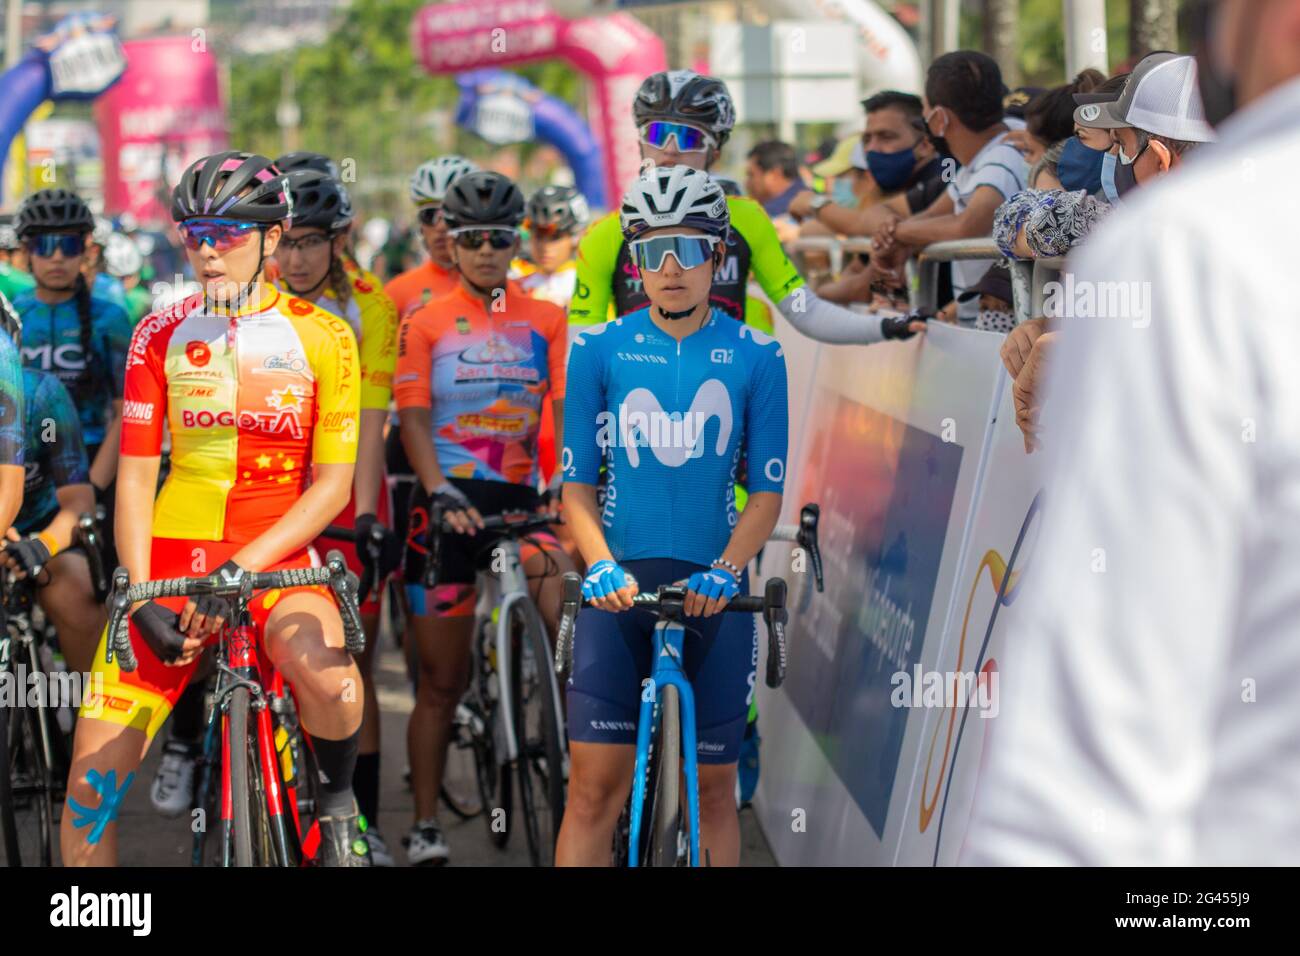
column 1152, row 25
column 1001, row 26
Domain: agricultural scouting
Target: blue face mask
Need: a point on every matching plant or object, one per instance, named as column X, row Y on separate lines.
column 1080, row 166
column 842, row 191
column 891, row 171
column 1108, row 164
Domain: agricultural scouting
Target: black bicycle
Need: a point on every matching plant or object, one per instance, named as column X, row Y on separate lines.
column 36, row 734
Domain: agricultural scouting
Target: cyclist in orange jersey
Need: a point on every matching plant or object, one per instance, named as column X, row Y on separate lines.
column 472, row 370
column 261, row 394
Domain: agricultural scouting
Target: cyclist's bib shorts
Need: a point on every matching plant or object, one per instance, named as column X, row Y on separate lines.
column 611, row 657
column 463, row 555
column 142, row 699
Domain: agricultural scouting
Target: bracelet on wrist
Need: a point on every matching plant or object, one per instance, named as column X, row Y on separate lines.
column 724, row 563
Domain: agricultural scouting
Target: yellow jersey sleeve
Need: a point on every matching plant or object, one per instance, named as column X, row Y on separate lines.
column 378, row 342
column 334, row 360
column 593, row 292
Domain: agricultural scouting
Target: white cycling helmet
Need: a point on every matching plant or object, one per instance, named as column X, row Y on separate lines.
column 674, row 196
column 103, row 229
column 122, row 256
column 431, row 180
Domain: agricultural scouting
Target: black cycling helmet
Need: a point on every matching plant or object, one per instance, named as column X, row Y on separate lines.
column 235, row 185
column 684, row 96
column 562, row 208
column 53, row 210
column 483, row 199
column 319, row 200
column 303, row 159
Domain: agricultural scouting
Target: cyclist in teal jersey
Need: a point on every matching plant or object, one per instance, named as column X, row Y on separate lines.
column 12, row 446
column 667, row 398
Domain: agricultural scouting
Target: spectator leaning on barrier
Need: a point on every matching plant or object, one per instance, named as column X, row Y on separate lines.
column 772, row 176
column 1049, row 116
column 1150, row 718
column 963, row 92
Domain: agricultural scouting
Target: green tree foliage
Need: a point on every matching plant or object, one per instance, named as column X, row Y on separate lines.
column 364, row 97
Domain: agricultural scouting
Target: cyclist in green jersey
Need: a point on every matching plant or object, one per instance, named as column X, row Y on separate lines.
column 685, row 118
column 14, row 277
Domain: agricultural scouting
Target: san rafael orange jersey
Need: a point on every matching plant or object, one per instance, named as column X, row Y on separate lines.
column 253, row 400
column 419, row 286
column 484, row 374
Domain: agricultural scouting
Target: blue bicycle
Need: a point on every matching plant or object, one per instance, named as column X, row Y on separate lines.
column 666, row 727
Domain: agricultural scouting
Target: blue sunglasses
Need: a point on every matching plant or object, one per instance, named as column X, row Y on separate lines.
column 71, row 244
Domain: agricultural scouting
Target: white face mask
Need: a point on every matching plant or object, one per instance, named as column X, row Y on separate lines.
column 993, row 320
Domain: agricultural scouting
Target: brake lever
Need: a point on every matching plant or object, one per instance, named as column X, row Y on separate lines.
column 809, row 517
column 569, row 603
column 775, row 616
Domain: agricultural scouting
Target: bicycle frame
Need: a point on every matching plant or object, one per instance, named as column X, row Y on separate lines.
column 502, row 589
column 669, row 637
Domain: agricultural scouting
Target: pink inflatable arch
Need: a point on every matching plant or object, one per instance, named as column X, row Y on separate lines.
column 615, row 52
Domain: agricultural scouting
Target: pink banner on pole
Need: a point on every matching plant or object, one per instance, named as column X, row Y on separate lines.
column 616, row 52
column 165, row 113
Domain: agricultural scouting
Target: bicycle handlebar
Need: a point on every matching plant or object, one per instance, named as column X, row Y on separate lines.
column 668, row 602
column 516, row 522
column 335, row 574
column 370, row 551
column 88, row 530
column 804, row 534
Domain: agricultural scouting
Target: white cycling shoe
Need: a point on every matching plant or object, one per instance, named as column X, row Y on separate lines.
column 172, row 792
column 425, row 845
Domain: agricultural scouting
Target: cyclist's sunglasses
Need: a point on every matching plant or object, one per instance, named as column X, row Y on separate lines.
column 473, row 237
column 689, row 251
column 220, row 234
column 69, row 243
column 549, row 231
column 429, row 215
column 688, row 138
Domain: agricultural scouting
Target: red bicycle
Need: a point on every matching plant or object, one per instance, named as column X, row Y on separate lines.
column 265, row 760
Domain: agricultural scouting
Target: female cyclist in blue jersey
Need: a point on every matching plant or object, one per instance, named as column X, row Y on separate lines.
column 667, row 398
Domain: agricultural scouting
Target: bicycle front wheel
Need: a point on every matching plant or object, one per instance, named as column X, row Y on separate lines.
column 665, row 817
column 248, row 797
column 537, row 729
column 26, row 807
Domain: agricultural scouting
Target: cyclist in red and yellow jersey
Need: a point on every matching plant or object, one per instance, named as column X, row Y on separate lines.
column 261, row 394
column 312, row 266
column 472, row 370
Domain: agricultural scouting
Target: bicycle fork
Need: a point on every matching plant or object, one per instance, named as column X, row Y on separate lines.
column 667, row 669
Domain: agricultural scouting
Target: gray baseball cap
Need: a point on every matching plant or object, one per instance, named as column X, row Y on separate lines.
column 1161, row 97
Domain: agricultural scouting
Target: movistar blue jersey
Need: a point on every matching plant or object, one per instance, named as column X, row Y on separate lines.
column 52, row 342
column 669, row 421
column 55, row 455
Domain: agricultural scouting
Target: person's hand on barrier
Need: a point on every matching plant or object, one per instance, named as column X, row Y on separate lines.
column 1019, row 343
column 904, row 326
column 457, row 509
column 884, row 243
column 707, row 592
column 609, row 587
column 1028, row 389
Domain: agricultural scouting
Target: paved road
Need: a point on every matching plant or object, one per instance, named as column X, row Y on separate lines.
column 148, row 839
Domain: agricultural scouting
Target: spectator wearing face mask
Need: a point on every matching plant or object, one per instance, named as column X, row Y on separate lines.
column 1158, row 116
column 963, row 91
column 1049, row 116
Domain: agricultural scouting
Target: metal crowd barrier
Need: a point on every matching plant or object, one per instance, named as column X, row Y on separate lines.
column 1029, row 277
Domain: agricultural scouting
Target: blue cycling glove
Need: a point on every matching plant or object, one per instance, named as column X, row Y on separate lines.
column 714, row 583
column 603, row 579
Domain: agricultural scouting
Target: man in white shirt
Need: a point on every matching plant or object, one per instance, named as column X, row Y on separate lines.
column 1148, row 709
column 963, row 97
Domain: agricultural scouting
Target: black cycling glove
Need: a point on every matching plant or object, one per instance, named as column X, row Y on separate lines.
column 30, row 553
column 448, row 497
column 897, row 327
column 157, row 625
column 369, row 527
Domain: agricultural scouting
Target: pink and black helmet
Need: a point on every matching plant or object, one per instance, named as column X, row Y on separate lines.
column 234, row 185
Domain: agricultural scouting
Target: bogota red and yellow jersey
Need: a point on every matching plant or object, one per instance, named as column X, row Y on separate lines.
column 252, row 401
